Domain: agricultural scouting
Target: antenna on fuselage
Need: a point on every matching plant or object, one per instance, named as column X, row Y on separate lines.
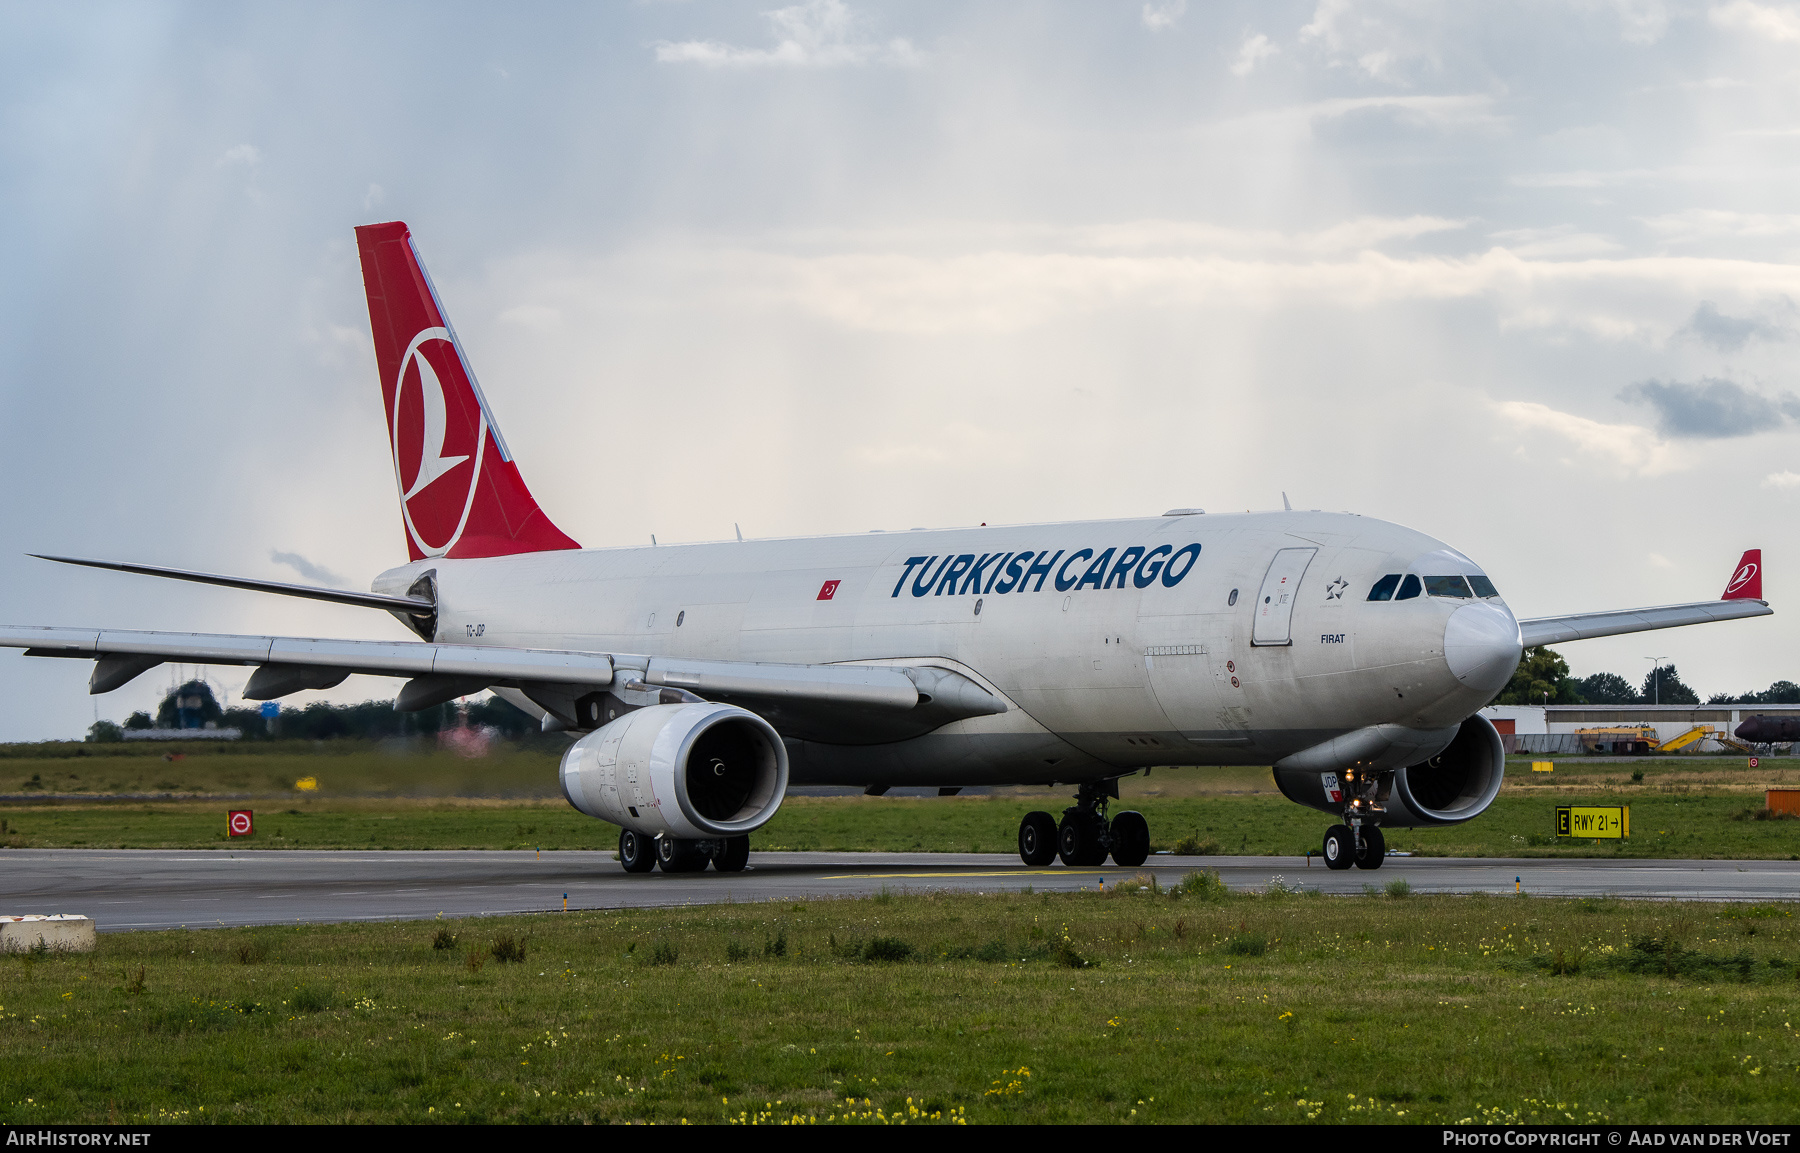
column 1285, row 506
column 740, row 531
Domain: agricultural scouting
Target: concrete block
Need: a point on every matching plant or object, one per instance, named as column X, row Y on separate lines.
column 60, row 933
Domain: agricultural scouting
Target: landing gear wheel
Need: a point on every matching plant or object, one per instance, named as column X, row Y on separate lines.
column 636, row 851
column 678, row 856
column 1130, row 839
column 1339, row 849
column 733, row 855
column 1037, row 839
column 1374, row 848
column 1078, row 843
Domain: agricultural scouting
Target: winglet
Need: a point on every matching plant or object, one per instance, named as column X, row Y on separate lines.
column 1746, row 582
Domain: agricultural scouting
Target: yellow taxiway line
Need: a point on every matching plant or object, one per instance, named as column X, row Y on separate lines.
column 1013, row 873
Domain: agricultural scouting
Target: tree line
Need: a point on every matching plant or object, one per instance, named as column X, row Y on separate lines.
column 1543, row 678
column 318, row 721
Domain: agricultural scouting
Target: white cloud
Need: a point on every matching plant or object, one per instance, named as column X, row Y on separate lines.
column 1590, row 178
column 1434, row 111
column 1012, row 279
column 1642, row 21
column 373, row 197
column 1780, row 24
column 1705, row 224
column 1254, row 50
column 246, row 154
column 1562, row 241
column 1387, row 41
column 1782, row 480
column 1163, row 16
column 816, row 34
column 1622, row 449
column 1350, row 236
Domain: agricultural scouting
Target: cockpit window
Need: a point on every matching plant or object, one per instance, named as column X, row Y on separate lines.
column 1409, row 588
column 1447, row 586
column 1384, row 588
column 1483, row 587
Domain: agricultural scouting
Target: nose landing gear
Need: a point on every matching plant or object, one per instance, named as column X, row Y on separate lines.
column 1359, row 842
column 1085, row 837
column 1362, row 846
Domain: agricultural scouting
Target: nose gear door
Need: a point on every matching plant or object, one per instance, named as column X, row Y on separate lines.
column 1275, row 602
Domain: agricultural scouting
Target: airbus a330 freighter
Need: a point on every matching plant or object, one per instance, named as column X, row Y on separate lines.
column 1350, row 654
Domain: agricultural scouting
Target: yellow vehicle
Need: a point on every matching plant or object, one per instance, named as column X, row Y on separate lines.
column 1642, row 739
column 1618, row 739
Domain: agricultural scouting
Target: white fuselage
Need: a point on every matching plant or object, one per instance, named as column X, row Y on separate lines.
column 1155, row 658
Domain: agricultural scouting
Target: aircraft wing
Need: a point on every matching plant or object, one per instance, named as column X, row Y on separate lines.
column 917, row 699
column 1743, row 598
column 1585, row 626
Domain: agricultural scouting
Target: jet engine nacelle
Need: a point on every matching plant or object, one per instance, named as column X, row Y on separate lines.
column 1455, row 784
column 692, row 771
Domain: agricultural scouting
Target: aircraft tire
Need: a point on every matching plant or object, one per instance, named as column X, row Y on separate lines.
column 1339, row 847
column 734, row 856
column 1374, row 848
column 1130, row 839
column 678, row 856
column 1037, row 839
column 1078, row 843
column 636, row 851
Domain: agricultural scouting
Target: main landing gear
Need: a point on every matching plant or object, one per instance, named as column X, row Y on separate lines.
column 1085, row 836
column 640, row 853
column 1359, row 842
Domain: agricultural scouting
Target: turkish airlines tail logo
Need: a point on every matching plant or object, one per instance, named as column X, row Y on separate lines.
column 1746, row 582
column 461, row 495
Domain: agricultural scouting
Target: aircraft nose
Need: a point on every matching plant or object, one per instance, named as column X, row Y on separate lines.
column 1482, row 645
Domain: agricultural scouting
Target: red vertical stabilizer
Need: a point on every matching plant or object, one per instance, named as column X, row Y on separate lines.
column 1746, row 582
column 460, row 492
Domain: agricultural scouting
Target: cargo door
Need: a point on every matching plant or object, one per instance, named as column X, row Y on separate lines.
column 1275, row 603
column 1175, row 657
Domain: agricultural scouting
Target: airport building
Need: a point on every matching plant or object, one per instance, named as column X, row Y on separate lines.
column 1562, row 728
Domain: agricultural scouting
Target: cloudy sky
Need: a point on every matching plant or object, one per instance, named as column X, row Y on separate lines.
column 1522, row 276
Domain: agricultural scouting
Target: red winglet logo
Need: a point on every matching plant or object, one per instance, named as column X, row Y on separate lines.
column 461, row 495
column 1746, row 582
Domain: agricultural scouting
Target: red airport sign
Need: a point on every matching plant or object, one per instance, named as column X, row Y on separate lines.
column 238, row 823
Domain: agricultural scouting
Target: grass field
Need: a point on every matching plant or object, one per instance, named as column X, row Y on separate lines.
column 367, row 797
column 1116, row 1007
column 338, row 768
column 1679, row 825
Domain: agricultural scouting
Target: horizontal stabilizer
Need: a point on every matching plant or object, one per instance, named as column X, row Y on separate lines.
column 310, row 592
column 380, row 658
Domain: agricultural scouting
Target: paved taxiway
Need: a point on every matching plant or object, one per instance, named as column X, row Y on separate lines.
column 157, row 889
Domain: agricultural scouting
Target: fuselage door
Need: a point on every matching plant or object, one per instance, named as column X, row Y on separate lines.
column 1275, row 603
